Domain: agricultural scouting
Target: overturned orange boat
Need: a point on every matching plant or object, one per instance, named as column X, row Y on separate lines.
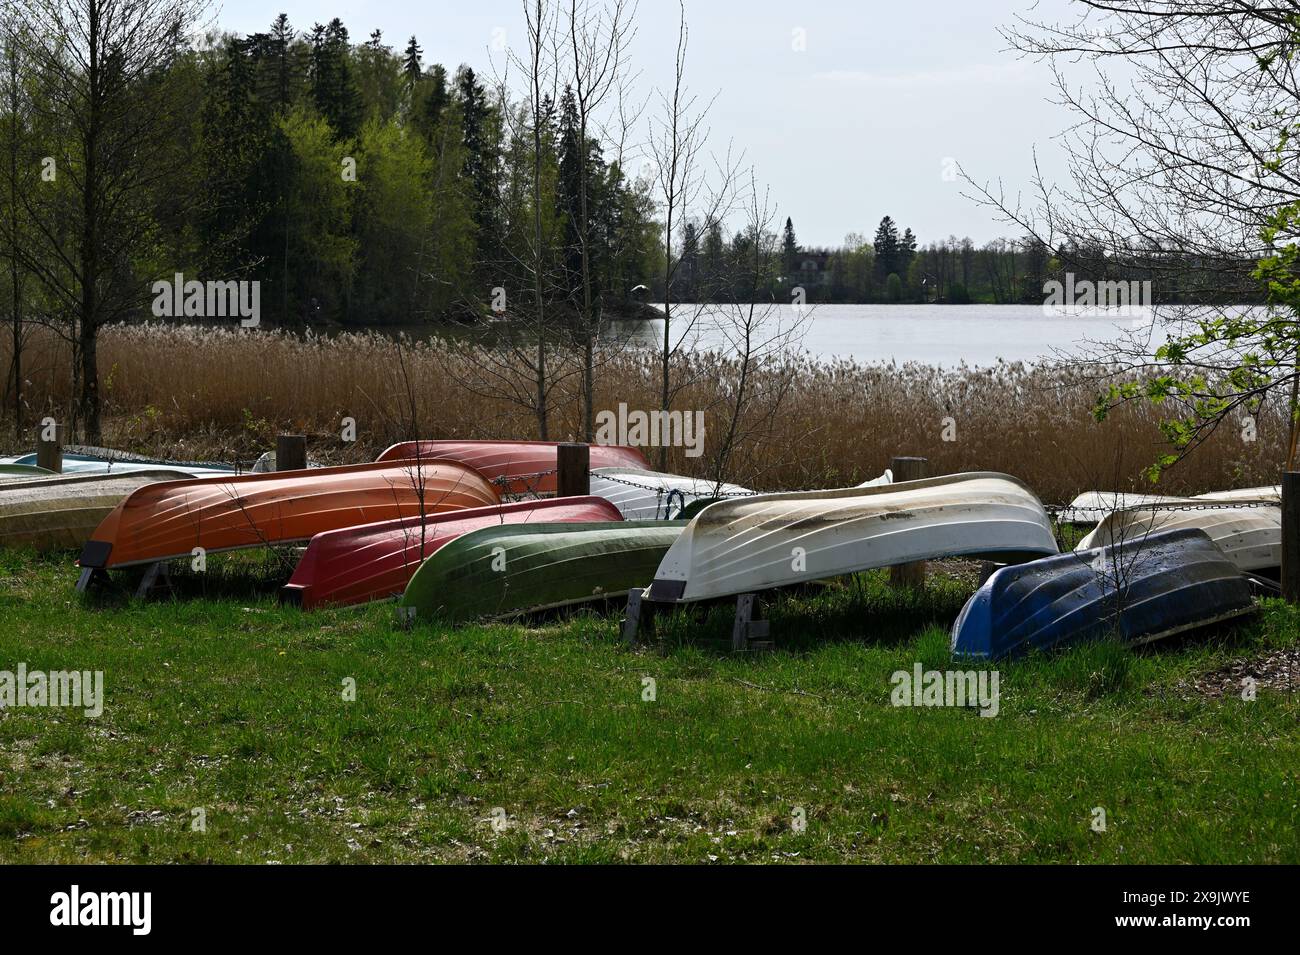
column 163, row 521
column 517, row 467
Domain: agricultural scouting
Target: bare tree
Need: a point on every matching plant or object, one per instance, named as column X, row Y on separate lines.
column 678, row 143
column 519, row 359
column 1182, row 158
column 119, row 132
column 597, row 41
column 760, row 337
column 17, row 181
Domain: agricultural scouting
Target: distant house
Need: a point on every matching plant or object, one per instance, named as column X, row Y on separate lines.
column 811, row 269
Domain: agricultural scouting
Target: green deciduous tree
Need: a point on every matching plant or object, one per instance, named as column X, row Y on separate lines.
column 322, row 251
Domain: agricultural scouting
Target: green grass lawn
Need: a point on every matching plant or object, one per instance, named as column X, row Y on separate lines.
column 227, row 703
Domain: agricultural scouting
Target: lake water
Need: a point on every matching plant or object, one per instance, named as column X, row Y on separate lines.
column 945, row 335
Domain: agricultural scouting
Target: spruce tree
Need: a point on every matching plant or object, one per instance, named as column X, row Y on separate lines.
column 280, row 54
column 887, row 250
column 906, row 253
column 334, row 87
column 412, row 69
column 481, row 164
column 789, row 249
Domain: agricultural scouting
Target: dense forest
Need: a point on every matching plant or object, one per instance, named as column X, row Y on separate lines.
column 359, row 185
column 893, row 268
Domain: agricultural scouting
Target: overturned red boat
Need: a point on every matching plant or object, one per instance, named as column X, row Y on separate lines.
column 517, row 467
column 159, row 522
column 376, row 561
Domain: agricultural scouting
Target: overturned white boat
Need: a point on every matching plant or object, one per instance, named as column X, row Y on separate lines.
column 96, row 460
column 1249, row 532
column 642, row 495
column 1272, row 493
column 1093, row 506
column 775, row 540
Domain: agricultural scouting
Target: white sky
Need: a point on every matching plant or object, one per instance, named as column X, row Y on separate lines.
column 855, row 127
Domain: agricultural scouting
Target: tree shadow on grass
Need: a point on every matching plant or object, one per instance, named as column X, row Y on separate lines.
column 251, row 575
column 860, row 608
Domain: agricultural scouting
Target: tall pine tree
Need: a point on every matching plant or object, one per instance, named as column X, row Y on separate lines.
column 789, row 249
column 480, row 136
column 334, row 87
column 412, row 69
column 886, row 243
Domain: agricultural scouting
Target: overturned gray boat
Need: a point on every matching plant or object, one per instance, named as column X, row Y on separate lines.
column 773, row 540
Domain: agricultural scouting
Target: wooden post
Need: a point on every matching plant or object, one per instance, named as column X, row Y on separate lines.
column 1291, row 536
column 290, row 452
column 49, row 454
column 573, row 470
column 908, row 575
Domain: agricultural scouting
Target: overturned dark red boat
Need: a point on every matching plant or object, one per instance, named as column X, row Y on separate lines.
column 516, row 467
column 376, row 561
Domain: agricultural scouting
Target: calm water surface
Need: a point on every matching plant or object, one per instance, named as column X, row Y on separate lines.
column 944, row 335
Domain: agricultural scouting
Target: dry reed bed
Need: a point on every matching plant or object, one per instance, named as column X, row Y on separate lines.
column 196, row 392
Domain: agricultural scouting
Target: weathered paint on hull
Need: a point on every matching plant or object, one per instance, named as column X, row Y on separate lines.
column 775, row 540
column 1251, row 537
column 503, row 571
column 642, row 495
column 1176, row 581
column 166, row 521
column 52, row 511
column 1091, row 507
column 516, row 467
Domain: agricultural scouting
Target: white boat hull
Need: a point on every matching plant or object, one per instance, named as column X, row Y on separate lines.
column 654, row 495
column 1093, row 506
column 1273, row 493
column 1250, row 537
column 776, row 540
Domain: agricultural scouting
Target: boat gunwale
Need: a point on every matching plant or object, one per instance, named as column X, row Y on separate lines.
column 531, row 443
column 53, row 479
column 832, row 494
column 443, row 517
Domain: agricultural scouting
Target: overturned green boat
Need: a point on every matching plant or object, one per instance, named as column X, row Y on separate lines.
column 501, row 571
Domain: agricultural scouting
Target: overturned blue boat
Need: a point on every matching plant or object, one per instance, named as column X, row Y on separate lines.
column 1136, row 592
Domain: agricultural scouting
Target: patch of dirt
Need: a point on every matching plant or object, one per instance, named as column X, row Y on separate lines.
column 968, row 572
column 1277, row 670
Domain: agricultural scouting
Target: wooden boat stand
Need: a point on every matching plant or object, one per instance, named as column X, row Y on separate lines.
column 156, row 579
column 90, row 576
column 751, row 631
